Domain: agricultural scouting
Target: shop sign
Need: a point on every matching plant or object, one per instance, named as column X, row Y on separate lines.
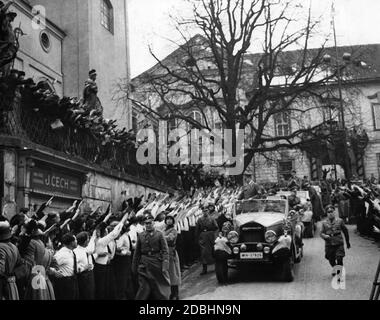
column 48, row 180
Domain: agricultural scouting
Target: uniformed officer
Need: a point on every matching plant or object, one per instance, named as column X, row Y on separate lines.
column 206, row 231
column 151, row 263
column 332, row 229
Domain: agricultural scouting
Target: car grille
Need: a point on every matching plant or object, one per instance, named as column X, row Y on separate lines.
column 252, row 232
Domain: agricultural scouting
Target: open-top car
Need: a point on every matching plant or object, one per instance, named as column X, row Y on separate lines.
column 265, row 232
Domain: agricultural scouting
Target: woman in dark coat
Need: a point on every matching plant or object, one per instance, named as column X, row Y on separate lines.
column 316, row 202
column 342, row 200
column 39, row 285
column 37, row 260
column 174, row 265
column 123, row 267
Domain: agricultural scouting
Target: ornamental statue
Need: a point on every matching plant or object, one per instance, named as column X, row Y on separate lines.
column 8, row 41
column 90, row 94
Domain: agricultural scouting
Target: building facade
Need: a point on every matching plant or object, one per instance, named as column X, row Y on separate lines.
column 75, row 37
column 40, row 52
column 60, row 41
column 360, row 90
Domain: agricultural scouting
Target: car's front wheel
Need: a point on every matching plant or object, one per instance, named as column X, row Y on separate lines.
column 286, row 270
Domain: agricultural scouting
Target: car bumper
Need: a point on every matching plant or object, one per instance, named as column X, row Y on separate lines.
column 277, row 253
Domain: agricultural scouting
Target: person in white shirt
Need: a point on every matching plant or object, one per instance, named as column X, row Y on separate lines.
column 122, row 266
column 159, row 223
column 134, row 229
column 105, row 253
column 85, row 253
column 221, row 252
column 65, row 270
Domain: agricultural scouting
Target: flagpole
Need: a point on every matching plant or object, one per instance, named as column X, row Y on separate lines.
column 339, row 74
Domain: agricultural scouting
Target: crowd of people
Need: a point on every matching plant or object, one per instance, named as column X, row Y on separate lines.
column 141, row 251
column 136, row 253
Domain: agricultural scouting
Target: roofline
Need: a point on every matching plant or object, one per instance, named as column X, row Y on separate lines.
column 166, row 57
column 333, row 84
column 252, row 54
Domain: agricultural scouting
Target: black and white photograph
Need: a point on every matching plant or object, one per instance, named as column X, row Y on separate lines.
column 189, row 150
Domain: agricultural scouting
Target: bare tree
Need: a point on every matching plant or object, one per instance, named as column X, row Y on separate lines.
column 214, row 71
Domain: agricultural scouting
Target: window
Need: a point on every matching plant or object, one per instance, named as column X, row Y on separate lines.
column 282, row 124
column 285, row 169
column 376, row 115
column 172, row 125
column 45, row 41
column 219, row 126
column 106, row 11
column 197, row 116
column 214, row 151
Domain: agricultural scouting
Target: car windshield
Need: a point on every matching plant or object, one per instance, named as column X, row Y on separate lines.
column 273, row 206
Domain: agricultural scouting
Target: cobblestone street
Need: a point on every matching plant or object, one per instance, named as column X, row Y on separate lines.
column 312, row 277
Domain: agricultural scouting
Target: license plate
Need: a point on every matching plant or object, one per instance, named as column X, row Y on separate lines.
column 251, row 255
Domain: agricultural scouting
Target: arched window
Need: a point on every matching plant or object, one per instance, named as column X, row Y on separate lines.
column 282, row 124
column 106, row 11
column 197, row 116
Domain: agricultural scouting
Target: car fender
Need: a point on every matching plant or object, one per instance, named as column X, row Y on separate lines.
column 284, row 242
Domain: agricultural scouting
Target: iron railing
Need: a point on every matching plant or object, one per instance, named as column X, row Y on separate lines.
column 27, row 124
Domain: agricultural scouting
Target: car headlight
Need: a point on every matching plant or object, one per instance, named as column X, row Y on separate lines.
column 233, row 237
column 270, row 236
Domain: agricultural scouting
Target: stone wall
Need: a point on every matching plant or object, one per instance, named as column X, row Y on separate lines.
column 99, row 188
column 267, row 171
column 102, row 190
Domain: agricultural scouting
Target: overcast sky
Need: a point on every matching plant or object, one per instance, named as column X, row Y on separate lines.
column 357, row 22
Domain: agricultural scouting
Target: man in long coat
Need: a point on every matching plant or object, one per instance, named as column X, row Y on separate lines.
column 206, row 230
column 151, row 263
column 316, row 202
